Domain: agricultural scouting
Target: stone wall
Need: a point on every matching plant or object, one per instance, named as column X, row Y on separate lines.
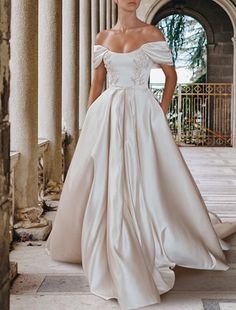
column 4, row 153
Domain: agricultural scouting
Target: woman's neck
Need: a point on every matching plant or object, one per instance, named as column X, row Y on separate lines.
column 127, row 20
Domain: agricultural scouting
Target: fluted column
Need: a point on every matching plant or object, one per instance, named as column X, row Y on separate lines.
column 108, row 14
column 50, row 72
column 102, row 14
column 85, row 58
column 70, row 77
column 234, row 95
column 94, row 19
column 24, row 111
column 94, row 24
column 113, row 13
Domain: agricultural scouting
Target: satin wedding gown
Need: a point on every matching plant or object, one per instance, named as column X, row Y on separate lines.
column 130, row 209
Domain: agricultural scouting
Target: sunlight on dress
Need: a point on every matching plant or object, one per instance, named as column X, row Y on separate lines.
column 130, row 210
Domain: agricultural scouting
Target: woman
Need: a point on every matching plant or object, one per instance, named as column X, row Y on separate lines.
column 130, row 209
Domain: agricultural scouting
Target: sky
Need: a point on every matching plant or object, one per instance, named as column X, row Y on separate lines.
column 157, row 75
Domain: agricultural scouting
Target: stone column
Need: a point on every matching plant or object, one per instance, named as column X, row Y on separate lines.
column 94, row 25
column 108, row 14
column 24, row 115
column 70, row 77
column 85, row 58
column 233, row 118
column 5, row 203
column 102, row 15
column 50, row 79
column 113, row 13
column 94, row 19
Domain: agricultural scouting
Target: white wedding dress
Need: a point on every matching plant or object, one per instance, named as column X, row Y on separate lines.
column 130, row 209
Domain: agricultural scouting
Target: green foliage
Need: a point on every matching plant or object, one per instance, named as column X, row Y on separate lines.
column 187, row 40
column 173, row 28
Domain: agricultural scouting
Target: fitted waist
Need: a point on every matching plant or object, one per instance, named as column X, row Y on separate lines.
column 142, row 86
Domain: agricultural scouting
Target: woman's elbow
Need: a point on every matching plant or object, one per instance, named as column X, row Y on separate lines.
column 172, row 75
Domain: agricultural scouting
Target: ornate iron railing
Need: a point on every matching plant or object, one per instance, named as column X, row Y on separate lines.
column 199, row 114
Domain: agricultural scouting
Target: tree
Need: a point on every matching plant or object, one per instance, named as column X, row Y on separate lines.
column 187, row 40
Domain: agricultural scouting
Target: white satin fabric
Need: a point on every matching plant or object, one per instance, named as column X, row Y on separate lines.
column 130, row 209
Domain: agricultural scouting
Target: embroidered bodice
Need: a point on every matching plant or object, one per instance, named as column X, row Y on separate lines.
column 131, row 69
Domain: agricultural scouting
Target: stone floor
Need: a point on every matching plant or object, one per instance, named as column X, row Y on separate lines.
column 214, row 170
column 45, row 284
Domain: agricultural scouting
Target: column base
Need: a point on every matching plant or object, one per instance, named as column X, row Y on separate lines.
column 33, row 233
column 52, row 191
column 31, row 224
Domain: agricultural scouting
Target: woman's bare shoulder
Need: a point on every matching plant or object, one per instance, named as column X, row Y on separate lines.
column 146, row 31
column 102, row 36
column 153, row 33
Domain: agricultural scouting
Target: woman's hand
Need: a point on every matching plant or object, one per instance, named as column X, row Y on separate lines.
column 165, row 110
column 170, row 84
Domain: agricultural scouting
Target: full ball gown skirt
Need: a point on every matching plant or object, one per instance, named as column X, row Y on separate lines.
column 130, row 209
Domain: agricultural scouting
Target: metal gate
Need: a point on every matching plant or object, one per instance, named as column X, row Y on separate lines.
column 200, row 113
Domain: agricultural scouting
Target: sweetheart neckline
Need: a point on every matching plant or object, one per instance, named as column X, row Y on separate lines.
column 137, row 49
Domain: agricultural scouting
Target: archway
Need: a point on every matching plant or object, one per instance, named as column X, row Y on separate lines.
column 188, row 39
column 149, row 9
column 191, row 111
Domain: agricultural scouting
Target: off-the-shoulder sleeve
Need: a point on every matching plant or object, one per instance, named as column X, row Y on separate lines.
column 98, row 53
column 159, row 53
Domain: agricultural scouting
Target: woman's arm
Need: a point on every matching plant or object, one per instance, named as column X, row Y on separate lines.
column 97, row 83
column 170, row 84
column 99, row 74
column 153, row 33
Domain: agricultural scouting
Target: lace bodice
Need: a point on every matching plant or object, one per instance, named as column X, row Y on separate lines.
column 132, row 68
